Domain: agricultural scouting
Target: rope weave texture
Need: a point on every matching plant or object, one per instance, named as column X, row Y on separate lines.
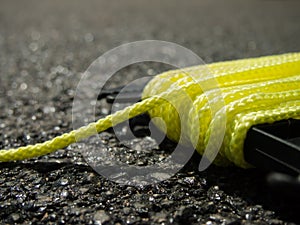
column 254, row 91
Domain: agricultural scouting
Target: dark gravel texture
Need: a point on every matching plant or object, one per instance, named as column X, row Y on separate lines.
column 44, row 48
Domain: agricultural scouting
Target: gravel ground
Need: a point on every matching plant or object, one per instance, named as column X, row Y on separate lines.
column 45, row 47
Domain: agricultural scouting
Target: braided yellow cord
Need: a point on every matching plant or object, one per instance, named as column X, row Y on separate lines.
column 255, row 91
column 263, row 90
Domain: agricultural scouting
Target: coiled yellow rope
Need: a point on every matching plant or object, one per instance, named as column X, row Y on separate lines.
column 255, row 91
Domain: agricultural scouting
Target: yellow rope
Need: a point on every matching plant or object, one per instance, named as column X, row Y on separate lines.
column 254, row 91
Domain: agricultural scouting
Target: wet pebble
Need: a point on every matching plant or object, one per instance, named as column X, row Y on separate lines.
column 100, row 217
column 64, row 181
column 15, row 217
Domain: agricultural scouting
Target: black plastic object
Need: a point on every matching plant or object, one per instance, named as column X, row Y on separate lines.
column 274, row 147
column 139, row 124
column 115, row 95
column 123, row 94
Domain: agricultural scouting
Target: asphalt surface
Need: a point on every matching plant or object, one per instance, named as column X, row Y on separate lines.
column 44, row 49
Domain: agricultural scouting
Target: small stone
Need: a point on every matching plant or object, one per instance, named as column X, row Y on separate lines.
column 52, row 217
column 249, row 216
column 189, row 180
column 160, row 218
column 275, row 222
column 23, row 86
column 49, row 109
column 64, row 194
column 15, row 217
column 64, row 182
column 42, row 209
column 109, row 193
column 100, row 217
column 126, row 210
column 83, row 190
column 131, row 220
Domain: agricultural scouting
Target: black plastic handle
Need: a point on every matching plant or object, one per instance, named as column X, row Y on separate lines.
column 275, row 147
